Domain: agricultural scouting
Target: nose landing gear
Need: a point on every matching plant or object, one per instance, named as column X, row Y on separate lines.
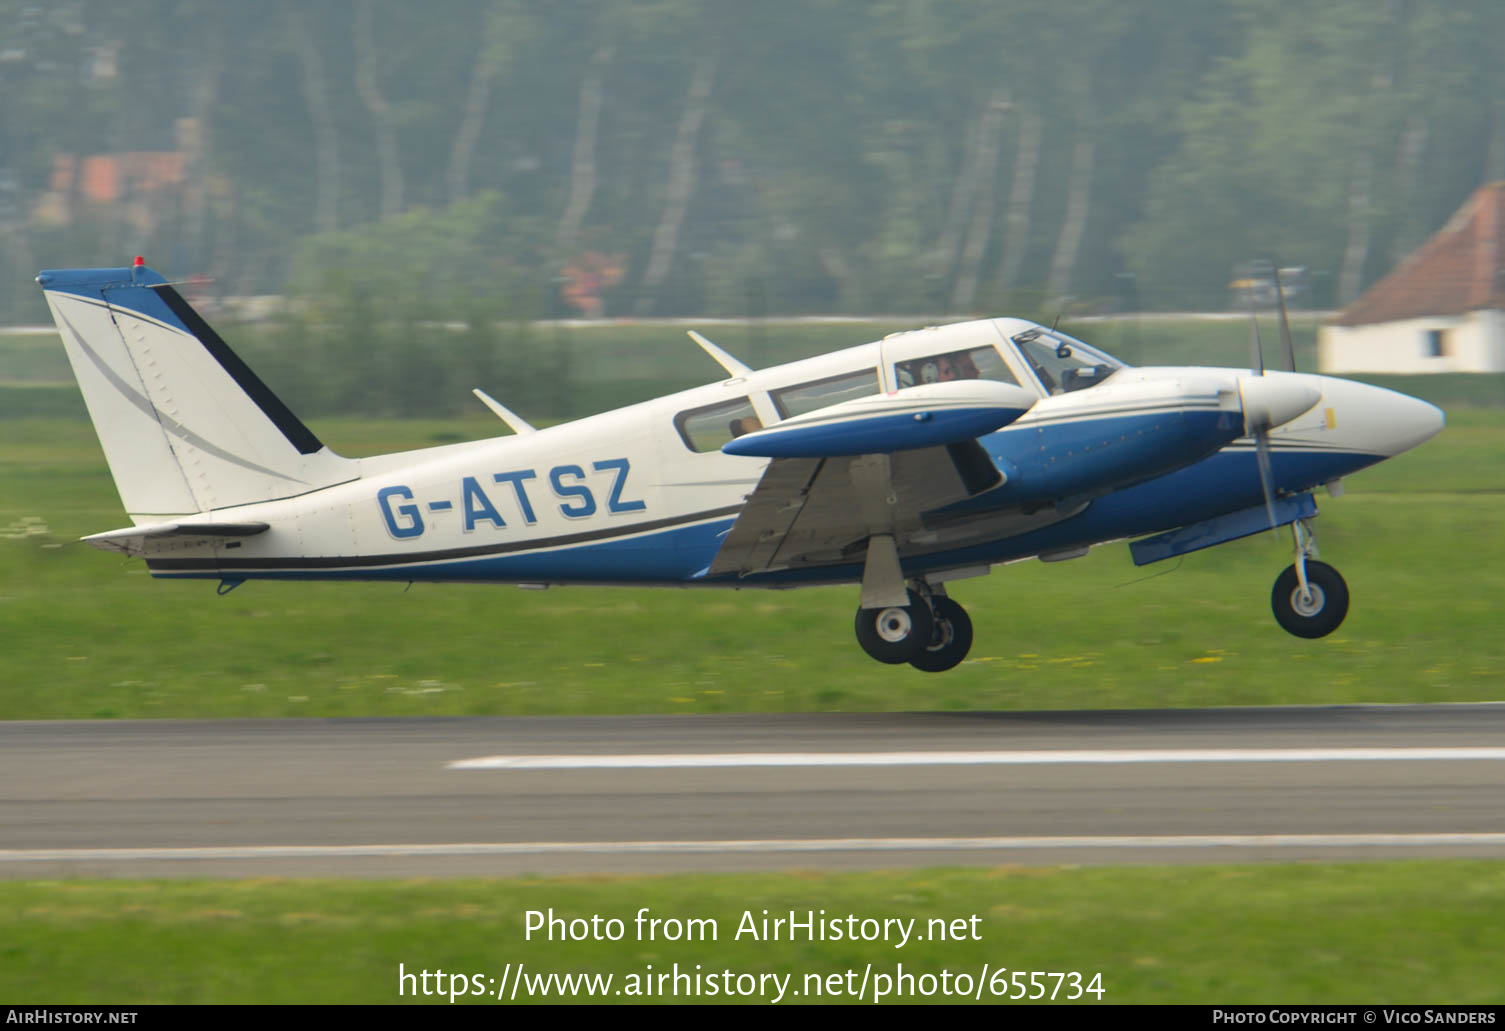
column 1310, row 598
column 931, row 633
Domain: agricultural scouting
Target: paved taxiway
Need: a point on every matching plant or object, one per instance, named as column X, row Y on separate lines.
column 455, row 796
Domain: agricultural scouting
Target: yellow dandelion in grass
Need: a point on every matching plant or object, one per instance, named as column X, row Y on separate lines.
column 1208, row 658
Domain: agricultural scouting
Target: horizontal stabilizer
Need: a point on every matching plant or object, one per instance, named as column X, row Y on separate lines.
column 133, row 539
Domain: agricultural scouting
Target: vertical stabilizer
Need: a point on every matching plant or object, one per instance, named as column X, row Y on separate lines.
column 186, row 426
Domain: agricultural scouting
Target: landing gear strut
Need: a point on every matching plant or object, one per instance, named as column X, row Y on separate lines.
column 931, row 633
column 1310, row 599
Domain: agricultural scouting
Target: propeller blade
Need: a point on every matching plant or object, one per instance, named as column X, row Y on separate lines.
column 1256, row 353
column 1266, row 477
column 1285, row 325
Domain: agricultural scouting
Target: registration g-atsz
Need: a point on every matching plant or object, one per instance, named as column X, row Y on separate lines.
column 515, row 496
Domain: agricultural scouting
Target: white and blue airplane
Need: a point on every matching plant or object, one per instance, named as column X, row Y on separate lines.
column 901, row 466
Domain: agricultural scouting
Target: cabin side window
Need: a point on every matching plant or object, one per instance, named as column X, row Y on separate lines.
column 706, row 429
column 807, row 397
column 976, row 363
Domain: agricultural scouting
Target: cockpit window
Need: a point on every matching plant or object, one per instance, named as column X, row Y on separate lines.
column 976, row 363
column 807, row 397
column 1063, row 363
column 706, row 429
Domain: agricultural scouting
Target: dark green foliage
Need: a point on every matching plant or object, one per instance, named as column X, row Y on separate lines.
column 849, row 156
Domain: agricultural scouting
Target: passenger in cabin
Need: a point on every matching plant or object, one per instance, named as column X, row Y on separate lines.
column 746, row 424
column 957, row 366
column 941, row 369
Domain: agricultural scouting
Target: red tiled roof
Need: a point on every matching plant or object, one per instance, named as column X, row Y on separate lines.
column 1460, row 269
column 105, row 178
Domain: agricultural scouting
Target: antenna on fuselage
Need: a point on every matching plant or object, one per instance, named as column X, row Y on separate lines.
column 732, row 366
column 519, row 425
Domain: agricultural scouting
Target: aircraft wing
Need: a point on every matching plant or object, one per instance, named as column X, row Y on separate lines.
column 818, row 511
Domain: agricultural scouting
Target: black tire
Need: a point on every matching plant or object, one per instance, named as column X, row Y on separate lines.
column 895, row 634
column 950, row 637
column 1322, row 613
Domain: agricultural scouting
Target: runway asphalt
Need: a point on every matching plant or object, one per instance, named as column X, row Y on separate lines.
column 451, row 796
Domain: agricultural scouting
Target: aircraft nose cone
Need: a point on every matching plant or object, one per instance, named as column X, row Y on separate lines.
column 1409, row 421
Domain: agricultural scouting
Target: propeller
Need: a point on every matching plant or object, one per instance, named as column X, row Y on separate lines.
column 1262, row 429
column 1285, row 324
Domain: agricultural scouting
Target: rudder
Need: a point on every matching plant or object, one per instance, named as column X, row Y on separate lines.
column 185, row 425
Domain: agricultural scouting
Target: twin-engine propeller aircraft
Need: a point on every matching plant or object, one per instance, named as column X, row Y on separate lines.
column 901, row 465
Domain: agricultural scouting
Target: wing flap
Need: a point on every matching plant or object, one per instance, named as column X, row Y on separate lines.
column 821, row 511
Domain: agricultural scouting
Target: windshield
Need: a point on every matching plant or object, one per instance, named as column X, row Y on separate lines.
column 1063, row 363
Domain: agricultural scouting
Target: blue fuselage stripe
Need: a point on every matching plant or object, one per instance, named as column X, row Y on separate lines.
column 1223, row 482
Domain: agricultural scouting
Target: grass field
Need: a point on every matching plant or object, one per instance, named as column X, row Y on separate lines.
column 1322, row 933
column 88, row 635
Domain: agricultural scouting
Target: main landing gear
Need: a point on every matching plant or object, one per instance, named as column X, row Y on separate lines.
column 931, row 633
column 1310, row 599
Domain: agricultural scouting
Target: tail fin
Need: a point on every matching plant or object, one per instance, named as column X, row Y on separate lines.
column 185, row 425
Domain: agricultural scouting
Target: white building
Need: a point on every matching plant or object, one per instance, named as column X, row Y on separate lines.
column 1441, row 310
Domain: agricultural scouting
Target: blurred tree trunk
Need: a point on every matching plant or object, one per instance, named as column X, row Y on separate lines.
column 583, row 165
column 1078, row 194
column 326, row 133
column 381, row 112
column 1413, row 142
column 943, row 257
column 1360, row 210
column 848, row 285
column 477, row 99
column 205, row 93
column 990, row 125
column 1494, row 162
column 1021, row 196
column 682, row 171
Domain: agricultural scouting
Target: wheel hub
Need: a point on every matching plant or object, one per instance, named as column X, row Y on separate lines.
column 894, row 625
column 1308, row 603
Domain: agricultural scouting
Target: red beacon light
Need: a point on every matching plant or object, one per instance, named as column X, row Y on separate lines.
column 139, row 262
